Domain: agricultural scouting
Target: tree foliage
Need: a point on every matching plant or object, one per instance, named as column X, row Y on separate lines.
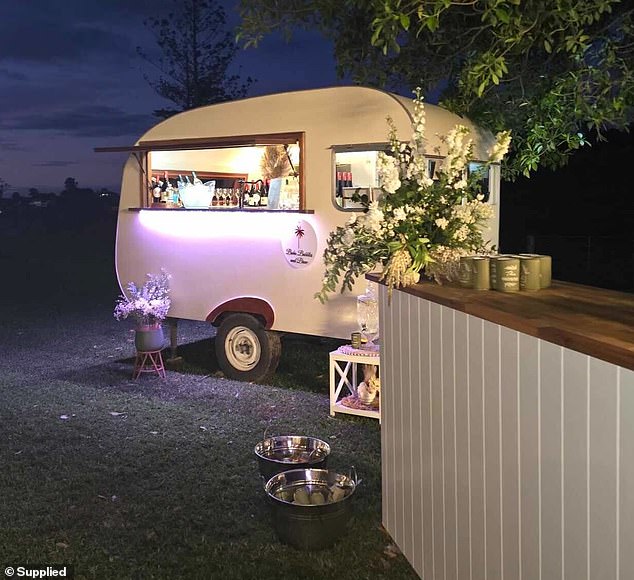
column 550, row 70
column 196, row 54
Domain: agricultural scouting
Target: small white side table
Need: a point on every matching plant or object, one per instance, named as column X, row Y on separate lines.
column 343, row 373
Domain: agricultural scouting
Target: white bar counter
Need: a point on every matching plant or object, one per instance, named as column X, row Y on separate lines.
column 508, row 432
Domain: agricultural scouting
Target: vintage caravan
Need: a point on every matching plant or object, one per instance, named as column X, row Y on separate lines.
column 249, row 260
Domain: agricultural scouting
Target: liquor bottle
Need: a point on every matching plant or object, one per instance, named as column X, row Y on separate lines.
column 196, row 180
column 264, row 199
column 172, row 198
column 214, row 199
column 255, row 195
column 235, row 197
column 156, row 190
column 228, row 193
column 246, row 195
column 163, row 190
column 187, row 180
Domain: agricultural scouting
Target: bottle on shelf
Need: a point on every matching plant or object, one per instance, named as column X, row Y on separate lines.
column 214, row 198
column 235, row 197
column 228, row 192
column 156, row 190
column 164, row 185
column 264, row 198
column 255, row 194
column 339, row 184
column 246, row 195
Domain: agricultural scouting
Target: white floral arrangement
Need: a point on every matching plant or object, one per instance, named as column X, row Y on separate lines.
column 149, row 304
column 420, row 223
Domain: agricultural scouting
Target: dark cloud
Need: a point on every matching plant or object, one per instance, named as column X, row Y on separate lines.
column 12, row 75
column 55, row 163
column 54, row 42
column 84, row 121
column 11, row 146
column 55, row 31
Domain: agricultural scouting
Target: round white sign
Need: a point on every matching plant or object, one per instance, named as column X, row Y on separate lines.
column 299, row 244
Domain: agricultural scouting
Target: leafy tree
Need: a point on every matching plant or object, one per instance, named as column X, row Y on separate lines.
column 196, row 53
column 70, row 184
column 550, row 70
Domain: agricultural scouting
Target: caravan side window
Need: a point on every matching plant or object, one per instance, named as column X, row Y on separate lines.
column 355, row 177
column 475, row 167
column 434, row 165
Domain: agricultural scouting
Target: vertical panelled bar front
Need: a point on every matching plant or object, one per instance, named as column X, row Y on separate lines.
column 504, row 456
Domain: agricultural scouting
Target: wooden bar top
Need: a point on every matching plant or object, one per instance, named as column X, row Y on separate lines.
column 593, row 321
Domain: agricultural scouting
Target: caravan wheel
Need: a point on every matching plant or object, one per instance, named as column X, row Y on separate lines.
column 245, row 350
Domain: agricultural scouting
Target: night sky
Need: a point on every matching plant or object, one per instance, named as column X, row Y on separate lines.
column 71, row 80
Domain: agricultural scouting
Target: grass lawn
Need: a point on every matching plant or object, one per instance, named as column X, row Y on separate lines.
column 151, row 478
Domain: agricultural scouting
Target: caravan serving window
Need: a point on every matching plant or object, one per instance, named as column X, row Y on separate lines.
column 239, row 172
column 355, row 176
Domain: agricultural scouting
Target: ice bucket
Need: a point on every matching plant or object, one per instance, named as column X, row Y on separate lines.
column 285, row 452
column 197, row 196
column 311, row 507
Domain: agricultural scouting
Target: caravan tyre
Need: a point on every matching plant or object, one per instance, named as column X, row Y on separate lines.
column 245, row 350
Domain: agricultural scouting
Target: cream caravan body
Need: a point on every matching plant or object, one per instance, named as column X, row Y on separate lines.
column 237, row 260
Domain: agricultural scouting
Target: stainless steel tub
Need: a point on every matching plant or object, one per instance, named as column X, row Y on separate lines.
column 318, row 524
column 284, row 452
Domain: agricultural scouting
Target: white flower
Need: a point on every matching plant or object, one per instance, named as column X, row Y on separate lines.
column 388, row 171
column 399, row 214
column 148, row 304
column 461, row 233
column 442, row 223
column 501, row 147
column 348, row 237
column 373, row 217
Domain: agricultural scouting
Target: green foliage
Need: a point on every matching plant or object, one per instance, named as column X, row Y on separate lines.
column 196, row 54
column 549, row 70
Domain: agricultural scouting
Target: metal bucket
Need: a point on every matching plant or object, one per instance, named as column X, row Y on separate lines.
column 277, row 454
column 321, row 522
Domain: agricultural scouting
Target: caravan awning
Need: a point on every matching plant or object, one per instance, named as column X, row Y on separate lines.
column 206, row 143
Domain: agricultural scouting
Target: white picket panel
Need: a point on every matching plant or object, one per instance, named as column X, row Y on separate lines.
column 505, row 457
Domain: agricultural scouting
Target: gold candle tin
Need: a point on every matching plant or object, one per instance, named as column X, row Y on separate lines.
column 465, row 272
column 481, row 276
column 493, row 270
column 545, row 269
column 507, row 274
column 530, row 273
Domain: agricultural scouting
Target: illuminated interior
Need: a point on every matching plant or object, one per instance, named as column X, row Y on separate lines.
column 356, row 179
column 242, row 174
